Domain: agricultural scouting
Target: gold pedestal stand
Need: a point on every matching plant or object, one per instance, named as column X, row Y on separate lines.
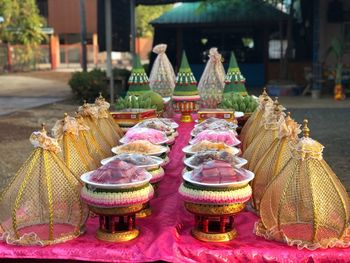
column 146, row 208
column 146, row 211
column 186, row 117
column 186, row 108
column 122, row 236
column 117, row 224
column 214, row 223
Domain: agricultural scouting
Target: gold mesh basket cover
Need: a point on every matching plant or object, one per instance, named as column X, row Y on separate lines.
column 103, row 109
column 90, row 115
column 275, row 158
column 264, row 138
column 94, row 148
column 41, row 205
column 74, row 149
column 255, row 122
column 306, row 204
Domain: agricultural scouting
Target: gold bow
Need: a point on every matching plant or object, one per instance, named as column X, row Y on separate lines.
column 40, row 139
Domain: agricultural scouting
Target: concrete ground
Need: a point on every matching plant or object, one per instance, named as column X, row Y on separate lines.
column 23, row 92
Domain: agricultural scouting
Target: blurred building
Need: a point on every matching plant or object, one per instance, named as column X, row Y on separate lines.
column 64, row 17
column 257, row 33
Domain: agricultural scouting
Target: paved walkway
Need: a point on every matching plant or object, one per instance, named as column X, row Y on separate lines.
column 22, row 92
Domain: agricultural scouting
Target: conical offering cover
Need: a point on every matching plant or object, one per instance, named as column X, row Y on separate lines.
column 306, row 204
column 162, row 78
column 211, row 84
column 266, row 135
column 106, row 121
column 86, row 136
column 275, row 158
column 42, row 205
column 74, row 150
column 254, row 118
column 234, row 80
column 138, row 80
column 255, row 122
column 185, row 88
column 90, row 114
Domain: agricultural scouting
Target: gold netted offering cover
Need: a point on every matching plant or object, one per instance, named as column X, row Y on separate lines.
column 42, row 205
column 86, row 137
column 254, row 123
column 90, row 114
column 75, row 151
column 305, row 204
column 277, row 155
column 106, row 119
column 273, row 116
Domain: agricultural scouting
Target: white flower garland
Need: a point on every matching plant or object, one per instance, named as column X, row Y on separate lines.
column 240, row 195
column 115, row 199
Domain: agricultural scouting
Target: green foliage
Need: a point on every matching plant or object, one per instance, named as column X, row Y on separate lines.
column 134, row 102
column 155, row 98
column 145, row 14
column 237, row 102
column 22, row 25
column 87, row 85
column 337, row 49
column 124, row 73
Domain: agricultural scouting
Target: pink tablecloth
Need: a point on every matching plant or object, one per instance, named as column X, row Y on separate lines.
column 165, row 235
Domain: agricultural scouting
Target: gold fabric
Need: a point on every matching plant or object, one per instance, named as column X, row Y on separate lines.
column 305, row 204
column 255, row 122
column 274, row 159
column 74, row 149
column 42, row 205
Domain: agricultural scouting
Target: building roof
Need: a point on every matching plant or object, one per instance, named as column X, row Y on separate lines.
column 246, row 11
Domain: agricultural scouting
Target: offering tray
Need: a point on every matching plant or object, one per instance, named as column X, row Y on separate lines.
column 188, row 162
column 123, row 141
column 230, row 149
column 162, row 150
column 116, row 205
column 214, row 207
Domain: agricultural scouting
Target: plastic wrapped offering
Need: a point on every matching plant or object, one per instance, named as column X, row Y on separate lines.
column 220, row 125
column 118, row 172
column 202, row 157
column 136, row 159
column 207, row 145
column 140, row 146
column 151, row 135
column 227, row 137
column 216, row 172
column 156, row 124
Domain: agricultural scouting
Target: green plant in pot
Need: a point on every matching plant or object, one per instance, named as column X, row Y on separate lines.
column 337, row 49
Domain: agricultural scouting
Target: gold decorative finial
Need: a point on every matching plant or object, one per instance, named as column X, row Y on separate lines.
column 43, row 125
column 288, row 117
column 100, row 97
column 306, row 130
column 65, row 114
column 264, row 93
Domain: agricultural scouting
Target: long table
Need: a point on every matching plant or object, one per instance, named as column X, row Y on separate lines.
column 165, row 235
